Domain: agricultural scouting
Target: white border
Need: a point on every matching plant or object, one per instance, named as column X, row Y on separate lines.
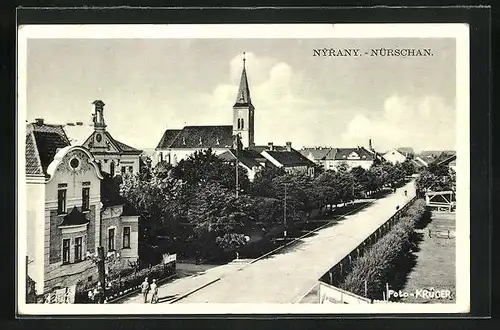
column 316, row 31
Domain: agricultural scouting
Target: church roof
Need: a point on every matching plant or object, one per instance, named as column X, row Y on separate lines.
column 243, row 96
column 42, row 143
column 74, row 218
column 199, row 137
column 167, row 138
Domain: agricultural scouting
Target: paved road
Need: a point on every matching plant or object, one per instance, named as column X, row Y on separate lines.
column 286, row 276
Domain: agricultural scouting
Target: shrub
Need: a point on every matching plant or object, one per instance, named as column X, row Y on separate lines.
column 380, row 260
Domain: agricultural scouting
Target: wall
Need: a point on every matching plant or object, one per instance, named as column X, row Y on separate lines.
column 331, row 294
column 119, row 161
column 334, row 164
column 131, row 254
column 55, row 271
column 35, row 230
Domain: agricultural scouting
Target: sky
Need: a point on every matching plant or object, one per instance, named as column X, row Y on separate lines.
column 149, row 85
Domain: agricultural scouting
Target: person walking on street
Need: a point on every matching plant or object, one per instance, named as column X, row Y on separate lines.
column 145, row 289
column 154, row 292
column 406, row 193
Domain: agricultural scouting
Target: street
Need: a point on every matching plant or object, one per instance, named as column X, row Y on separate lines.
column 288, row 274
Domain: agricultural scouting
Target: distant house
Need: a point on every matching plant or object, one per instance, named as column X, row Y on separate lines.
column 450, row 162
column 288, row 159
column 332, row 158
column 246, row 159
column 72, row 208
column 407, row 152
column 394, row 156
column 430, row 156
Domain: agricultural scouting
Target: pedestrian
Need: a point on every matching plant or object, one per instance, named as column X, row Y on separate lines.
column 406, row 193
column 154, row 292
column 397, row 207
column 99, row 293
column 145, row 289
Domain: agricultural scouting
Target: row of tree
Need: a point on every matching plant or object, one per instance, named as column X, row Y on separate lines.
column 195, row 207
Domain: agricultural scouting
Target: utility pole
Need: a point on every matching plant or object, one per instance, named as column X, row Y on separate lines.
column 101, row 271
column 236, row 163
column 284, row 215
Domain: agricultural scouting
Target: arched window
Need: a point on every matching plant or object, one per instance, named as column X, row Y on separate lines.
column 112, row 169
column 242, row 123
column 239, row 123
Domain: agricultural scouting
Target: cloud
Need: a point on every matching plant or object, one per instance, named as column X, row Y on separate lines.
column 418, row 122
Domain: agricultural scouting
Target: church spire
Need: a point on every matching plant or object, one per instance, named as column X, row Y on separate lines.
column 243, row 97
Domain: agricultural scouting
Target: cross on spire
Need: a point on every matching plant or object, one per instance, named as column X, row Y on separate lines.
column 243, row 97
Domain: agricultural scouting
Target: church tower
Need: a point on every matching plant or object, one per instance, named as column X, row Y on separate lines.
column 243, row 112
column 99, row 126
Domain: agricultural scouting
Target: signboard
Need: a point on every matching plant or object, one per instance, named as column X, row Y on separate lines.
column 168, row 258
column 61, row 296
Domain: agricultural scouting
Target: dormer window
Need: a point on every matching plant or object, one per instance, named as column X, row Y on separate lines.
column 217, row 141
column 183, row 141
column 200, row 143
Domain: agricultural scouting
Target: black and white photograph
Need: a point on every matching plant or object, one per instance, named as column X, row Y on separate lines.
column 263, row 168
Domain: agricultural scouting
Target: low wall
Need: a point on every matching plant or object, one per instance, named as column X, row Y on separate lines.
column 337, row 272
column 329, row 294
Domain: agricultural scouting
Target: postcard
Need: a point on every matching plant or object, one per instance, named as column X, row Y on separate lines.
column 243, row 169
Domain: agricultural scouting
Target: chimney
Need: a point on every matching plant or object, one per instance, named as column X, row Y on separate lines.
column 39, row 121
column 370, row 144
column 289, row 146
column 270, row 146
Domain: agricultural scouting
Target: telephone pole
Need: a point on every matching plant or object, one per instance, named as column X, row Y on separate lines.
column 284, row 216
column 236, row 163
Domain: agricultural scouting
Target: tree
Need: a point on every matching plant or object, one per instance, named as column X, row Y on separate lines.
column 408, row 167
column 217, row 217
column 262, row 183
column 205, row 166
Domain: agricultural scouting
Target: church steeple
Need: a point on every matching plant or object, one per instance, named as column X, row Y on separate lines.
column 243, row 96
column 243, row 112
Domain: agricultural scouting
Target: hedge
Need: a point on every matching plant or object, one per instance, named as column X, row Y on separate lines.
column 380, row 260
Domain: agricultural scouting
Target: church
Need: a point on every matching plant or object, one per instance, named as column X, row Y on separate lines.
column 178, row 144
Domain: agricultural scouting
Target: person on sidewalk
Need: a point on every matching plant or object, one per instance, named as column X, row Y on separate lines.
column 145, row 289
column 406, row 193
column 154, row 292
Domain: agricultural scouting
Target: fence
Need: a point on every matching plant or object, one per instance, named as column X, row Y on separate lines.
column 336, row 274
column 119, row 287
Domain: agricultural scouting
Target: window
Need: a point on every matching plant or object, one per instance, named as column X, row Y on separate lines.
column 61, row 201
column 131, row 169
column 85, row 198
column 242, row 123
column 65, row 251
column 239, row 123
column 123, row 170
column 126, row 237
column 112, row 169
column 78, row 249
column 111, row 239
